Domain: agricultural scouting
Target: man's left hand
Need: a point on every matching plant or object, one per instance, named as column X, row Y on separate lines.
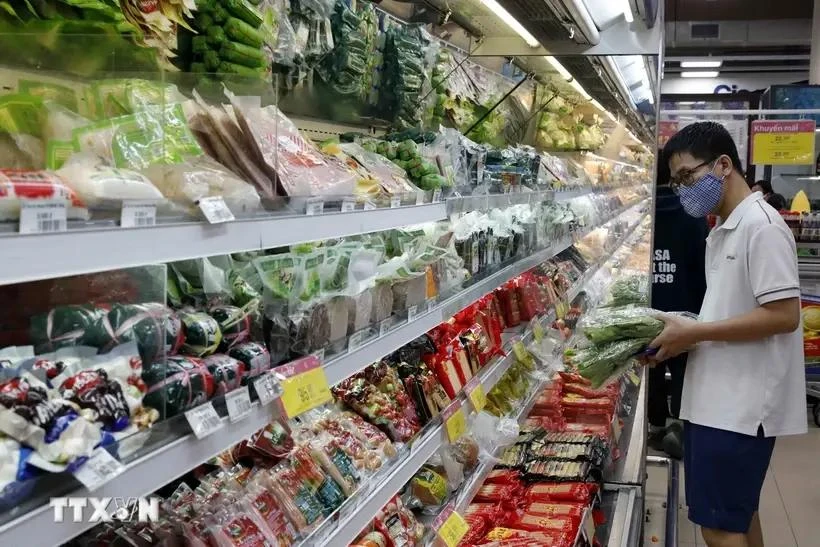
column 678, row 336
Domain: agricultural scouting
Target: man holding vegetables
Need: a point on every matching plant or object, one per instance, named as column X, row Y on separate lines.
column 744, row 382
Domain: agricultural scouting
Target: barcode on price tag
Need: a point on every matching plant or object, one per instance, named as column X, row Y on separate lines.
column 395, row 201
column 412, row 312
column 238, row 402
column 100, row 468
column 203, row 420
column 137, row 214
column 348, row 205
column 384, row 327
column 267, row 388
column 43, row 217
column 315, row 208
column 215, row 209
column 355, row 341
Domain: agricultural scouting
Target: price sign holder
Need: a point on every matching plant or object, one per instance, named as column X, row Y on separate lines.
column 384, row 327
column 475, row 392
column 455, row 421
column 203, row 420
column 100, row 468
column 395, row 202
column 420, row 198
column 355, row 341
column 238, row 402
column 215, row 209
column 369, row 205
column 43, row 216
column 348, row 205
column 314, row 207
column 267, row 388
column 138, row 214
column 304, row 385
column 436, row 196
column 412, row 312
column 450, row 526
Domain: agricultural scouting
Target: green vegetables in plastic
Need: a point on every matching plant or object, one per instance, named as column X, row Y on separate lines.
column 599, row 364
column 611, row 324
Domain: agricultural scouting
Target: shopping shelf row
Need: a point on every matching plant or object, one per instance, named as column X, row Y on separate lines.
column 177, row 456
column 95, row 247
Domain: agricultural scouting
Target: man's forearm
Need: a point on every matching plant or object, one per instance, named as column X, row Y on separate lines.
column 767, row 320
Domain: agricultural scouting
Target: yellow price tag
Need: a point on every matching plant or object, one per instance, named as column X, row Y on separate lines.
column 520, row 350
column 538, row 331
column 304, row 386
column 453, row 530
column 477, row 397
column 455, row 422
column 633, row 377
column 589, row 527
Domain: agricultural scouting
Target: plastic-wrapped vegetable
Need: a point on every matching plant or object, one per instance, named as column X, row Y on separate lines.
column 599, row 363
column 628, row 290
column 612, row 324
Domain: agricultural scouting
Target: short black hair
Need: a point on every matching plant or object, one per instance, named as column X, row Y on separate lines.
column 765, row 184
column 705, row 141
column 777, row 201
column 663, row 169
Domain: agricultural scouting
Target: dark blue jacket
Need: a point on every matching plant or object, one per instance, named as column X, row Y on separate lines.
column 678, row 272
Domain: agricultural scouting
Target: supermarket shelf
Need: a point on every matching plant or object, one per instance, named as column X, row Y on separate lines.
column 141, row 477
column 631, row 468
column 625, row 507
column 463, row 204
column 42, row 256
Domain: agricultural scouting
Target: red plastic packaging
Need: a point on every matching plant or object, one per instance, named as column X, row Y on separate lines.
column 580, row 492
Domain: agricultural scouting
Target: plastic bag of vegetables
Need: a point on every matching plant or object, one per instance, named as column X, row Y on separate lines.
column 600, row 363
column 632, row 289
column 612, row 324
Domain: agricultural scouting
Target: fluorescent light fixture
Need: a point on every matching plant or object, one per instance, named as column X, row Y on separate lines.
column 627, row 11
column 563, row 72
column 701, row 64
column 511, row 22
column 700, row 74
column 580, row 89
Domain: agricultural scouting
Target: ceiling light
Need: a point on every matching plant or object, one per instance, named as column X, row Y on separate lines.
column 563, row 72
column 627, row 11
column 511, row 22
column 701, row 64
column 700, row 74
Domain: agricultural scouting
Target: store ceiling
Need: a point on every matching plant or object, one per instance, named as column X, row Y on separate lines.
column 749, row 36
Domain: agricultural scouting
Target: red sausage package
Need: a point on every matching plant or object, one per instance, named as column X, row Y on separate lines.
column 580, row 492
column 508, row 537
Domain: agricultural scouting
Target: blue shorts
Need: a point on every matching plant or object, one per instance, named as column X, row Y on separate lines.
column 724, row 474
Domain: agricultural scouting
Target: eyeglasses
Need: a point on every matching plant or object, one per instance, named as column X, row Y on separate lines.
column 686, row 177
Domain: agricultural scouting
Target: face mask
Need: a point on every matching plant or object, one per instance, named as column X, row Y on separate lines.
column 703, row 196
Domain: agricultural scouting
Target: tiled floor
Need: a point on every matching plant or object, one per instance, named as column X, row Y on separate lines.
column 789, row 504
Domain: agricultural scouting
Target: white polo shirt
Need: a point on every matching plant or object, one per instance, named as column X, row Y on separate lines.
column 751, row 259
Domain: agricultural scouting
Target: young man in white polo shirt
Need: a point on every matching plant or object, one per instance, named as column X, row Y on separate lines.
column 744, row 382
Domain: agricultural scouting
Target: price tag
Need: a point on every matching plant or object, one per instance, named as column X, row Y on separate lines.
column 369, row 205
column 589, row 527
column 203, row 420
column 355, row 341
column 455, row 421
column 304, row 386
column 43, row 216
column 238, row 402
column 453, row 530
column 137, row 214
column 633, row 377
column 520, row 350
column 315, row 208
column 420, row 198
column 215, row 209
column 538, row 331
column 436, row 195
column 616, row 429
column 475, row 392
column 348, row 205
column 267, row 388
column 412, row 312
column 431, row 303
column 384, row 327
column 100, row 468
column 395, row 202
column 320, row 354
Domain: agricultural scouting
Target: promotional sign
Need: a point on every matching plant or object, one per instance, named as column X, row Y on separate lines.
column 783, row 142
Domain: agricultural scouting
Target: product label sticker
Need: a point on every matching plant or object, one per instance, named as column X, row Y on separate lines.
column 420, row 198
column 633, row 377
column 412, row 312
column 138, row 214
column 215, row 209
column 475, row 392
column 436, row 195
column 304, row 385
column 348, row 205
column 384, row 327
column 355, row 341
column 455, row 421
column 100, row 468
column 238, row 402
column 267, row 388
column 43, row 216
column 395, row 202
column 520, row 350
column 315, row 208
column 453, row 530
column 203, row 420
column 617, row 427
column 589, row 527
column 538, row 331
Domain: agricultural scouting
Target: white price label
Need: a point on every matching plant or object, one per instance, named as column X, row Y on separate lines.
column 431, row 303
column 395, row 202
column 436, row 195
column 384, row 327
column 369, row 205
column 238, row 402
column 215, row 209
column 320, row 354
column 43, row 216
column 412, row 312
column 419, row 198
column 203, row 420
column 267, row 388
column 348, row 205
column 355, row 341
column 100, row 468
column 315, row 208
column 137, row 214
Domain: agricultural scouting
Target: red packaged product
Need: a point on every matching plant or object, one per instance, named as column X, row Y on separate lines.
column 485, row 510
column 575, row 401
column 559, row 523
column 503, row 476
column 585, row 415
column 580, row 492
column 508, row 537
column 495, row 493
column 17, row 184
column 508, row 297
column 586, row 391
column 575, row 511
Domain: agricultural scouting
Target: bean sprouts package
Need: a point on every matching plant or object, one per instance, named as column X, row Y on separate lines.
column 612, row 324
column 99, row 185
column 302, row 170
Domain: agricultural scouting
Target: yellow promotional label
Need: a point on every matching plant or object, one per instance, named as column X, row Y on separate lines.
column 538, row 332
column 633, row 377
column 456, row 425
column 478, row 397
column 305, row 391
column 453, row 530
column 783, row 142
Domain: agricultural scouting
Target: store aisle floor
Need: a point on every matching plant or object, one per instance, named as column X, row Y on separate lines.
column 789, row 505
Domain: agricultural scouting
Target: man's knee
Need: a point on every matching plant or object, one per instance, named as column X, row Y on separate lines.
column 721, row 538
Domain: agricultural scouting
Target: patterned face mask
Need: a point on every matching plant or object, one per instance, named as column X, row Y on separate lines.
column 702, row 197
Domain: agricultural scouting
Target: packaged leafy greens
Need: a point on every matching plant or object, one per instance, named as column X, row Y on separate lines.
column 599, row 363
column 627, row 290
column 613, row 324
